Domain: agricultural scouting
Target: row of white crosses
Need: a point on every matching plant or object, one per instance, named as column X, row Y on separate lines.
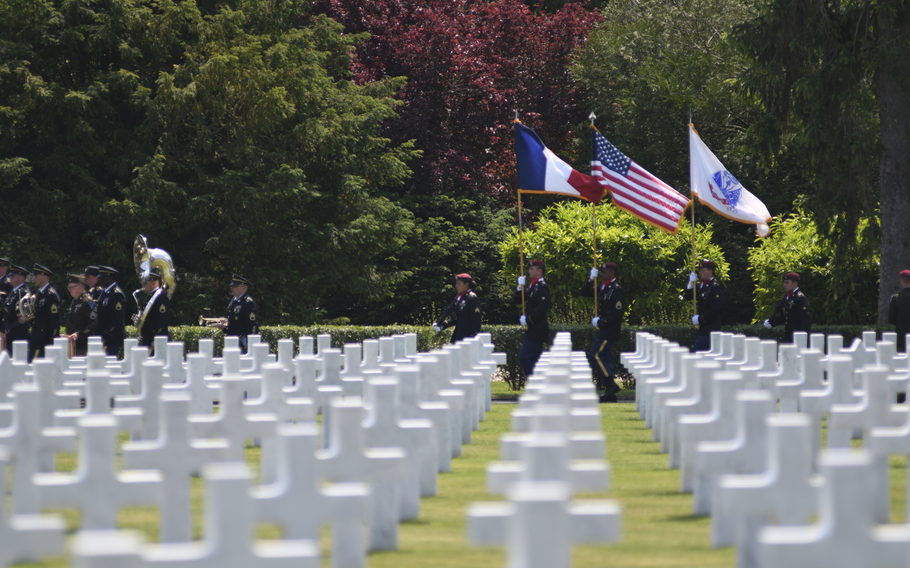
column 556, row 449
column 743, row 421
column 392, row 420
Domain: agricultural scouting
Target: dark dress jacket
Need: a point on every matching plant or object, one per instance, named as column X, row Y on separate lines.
column 243, row 318
column 11, row 327
column 465, row 314
column 111, row 308
column 537, row 303
column 82, row 319
column 793, row 313
column 710, row 303
column 899, row 316
column 157, row 319
column 46, row 323
column 611, row 307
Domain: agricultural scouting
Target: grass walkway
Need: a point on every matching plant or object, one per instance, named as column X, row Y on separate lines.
column 658, row 529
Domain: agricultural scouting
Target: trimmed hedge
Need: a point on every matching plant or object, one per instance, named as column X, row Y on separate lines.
column 506, row 338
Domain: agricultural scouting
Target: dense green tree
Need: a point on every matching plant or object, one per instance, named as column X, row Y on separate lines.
column 833, row 78
column 648, row 67
column 231, row 135
column 836, row 295
column 652, row 262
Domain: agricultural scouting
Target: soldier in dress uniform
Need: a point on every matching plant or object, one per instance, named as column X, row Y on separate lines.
column 111, row 308
column 537, row 301
column 157, row 311
column 242, row 313
column 46, row 323
column 464, row 312
column 611, row 307
column 899, row 311
column 15, row 327
column 5, row 286
column 793, row 309
column 710, row 303
column 92, row 273
column 81, row 318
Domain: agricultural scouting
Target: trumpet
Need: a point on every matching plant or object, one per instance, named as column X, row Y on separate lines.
column 213, row 322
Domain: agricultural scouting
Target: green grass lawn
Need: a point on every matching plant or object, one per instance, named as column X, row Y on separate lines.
column 658, row 528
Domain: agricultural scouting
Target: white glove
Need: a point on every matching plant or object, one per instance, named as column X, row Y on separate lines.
column 694, row 320
column 767, row 324
column 594, row 321
column 521, row 281
column 594, row 274
column 692, row 278
column 523, row 320
column 437, row 328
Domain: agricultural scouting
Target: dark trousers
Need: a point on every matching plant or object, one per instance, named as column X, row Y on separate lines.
column 702, row 343
column 35, row 351
column 529, row 354
column 600, row 357
column 113, row 348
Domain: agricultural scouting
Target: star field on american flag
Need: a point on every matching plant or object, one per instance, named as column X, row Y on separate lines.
column 611, row 157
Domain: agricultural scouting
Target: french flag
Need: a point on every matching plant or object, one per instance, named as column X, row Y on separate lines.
column 541, row 171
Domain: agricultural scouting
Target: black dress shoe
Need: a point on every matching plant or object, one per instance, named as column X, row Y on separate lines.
column 608, row 397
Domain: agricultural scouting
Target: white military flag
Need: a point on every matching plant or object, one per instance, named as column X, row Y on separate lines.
column 719, row 190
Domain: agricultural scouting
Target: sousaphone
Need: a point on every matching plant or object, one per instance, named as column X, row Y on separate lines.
column 146, row 259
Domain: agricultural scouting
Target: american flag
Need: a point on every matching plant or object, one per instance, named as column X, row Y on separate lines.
column 634, row 189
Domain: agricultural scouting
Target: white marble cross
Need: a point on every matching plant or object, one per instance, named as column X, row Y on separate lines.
column 810, row 378
column 173, row 369
column 718, row 424
column 301, row 505
column 348, row 460
column 228, row 531
column 31, row 447
column 785, row 493
column 787, row 370
column 583, row 445
column 98, row 403
column 838, row 391
column 383, row 428
column 411, row 406
column 26, row 538
column 547, row 457
column 96, row 488
column 700, row 403
column 745, row 453
column 351, row 379
column 147, row 400
column 178, row 458
column 539, row 524
column 433, row 389
column 44, row 373
column 845, row 535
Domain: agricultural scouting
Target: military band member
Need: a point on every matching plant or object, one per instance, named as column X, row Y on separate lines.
column 710, row 303
column 157, row 309
column 46, row 323
column 81, row 318
column 15, row 327
column 611, row 307
column 242, row 313
column 91, row 283
column 464, row 312
column 537, row 301
column 899, row 311
column 5, row 286
column 111, row 308
column 792, row 310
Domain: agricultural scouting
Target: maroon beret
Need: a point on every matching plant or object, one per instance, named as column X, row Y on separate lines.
column 905, row 273
column 463, row 276
column 708, row 264
column 609, row 266
column 791, row 276
column 537, row 263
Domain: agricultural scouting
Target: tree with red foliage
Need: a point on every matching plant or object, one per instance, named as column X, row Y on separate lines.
column 469, row 65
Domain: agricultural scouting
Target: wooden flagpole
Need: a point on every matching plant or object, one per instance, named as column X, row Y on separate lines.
column 521, row 253
column 592, row 116
column 694, row 200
